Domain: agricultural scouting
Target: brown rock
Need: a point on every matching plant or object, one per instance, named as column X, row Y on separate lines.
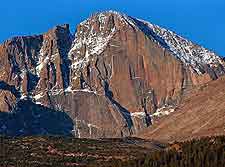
column 110, row 77
column 201, row 113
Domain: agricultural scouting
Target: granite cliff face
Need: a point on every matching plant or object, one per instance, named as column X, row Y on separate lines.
column 111, row 77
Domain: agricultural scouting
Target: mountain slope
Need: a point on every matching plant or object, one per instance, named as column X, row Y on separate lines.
column 200, row 113
column 111, row 77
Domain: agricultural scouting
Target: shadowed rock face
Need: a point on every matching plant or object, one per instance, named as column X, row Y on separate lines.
column 110, row 77
column 30, row 119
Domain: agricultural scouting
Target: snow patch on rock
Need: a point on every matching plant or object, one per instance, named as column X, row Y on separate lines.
column 41, row 62
column 89, row 42
column 189, row 53
column 163, row 111
column 69, row 89
column 38, row 96
column 138, row 114
column 24, row 96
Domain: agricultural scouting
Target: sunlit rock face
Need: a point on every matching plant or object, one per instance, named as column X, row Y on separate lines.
column 111, row 77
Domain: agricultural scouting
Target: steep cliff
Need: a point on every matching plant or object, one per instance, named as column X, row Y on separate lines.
column 111, row 76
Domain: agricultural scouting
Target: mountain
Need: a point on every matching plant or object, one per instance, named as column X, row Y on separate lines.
column 199, row 114
column 114, row 77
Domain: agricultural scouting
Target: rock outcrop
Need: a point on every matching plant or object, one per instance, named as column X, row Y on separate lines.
column 111, row 76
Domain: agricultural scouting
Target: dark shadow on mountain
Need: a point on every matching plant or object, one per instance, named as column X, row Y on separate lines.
column 64, row 41
column 30, row 119
column 150, row 33
column 10, row 88
column 32, row 81
column 148, row 119
column 125, row 113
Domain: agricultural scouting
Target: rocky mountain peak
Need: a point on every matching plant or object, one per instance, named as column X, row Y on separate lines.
column 113, row 76
column 191, row 54
column 96, row 32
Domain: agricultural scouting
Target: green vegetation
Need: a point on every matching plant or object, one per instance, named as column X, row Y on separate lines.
column 127, row 152
column 207, row 152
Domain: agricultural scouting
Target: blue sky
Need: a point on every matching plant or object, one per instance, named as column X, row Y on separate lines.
column 202, row 21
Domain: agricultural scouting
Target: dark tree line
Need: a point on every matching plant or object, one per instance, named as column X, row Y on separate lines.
column 207, row 152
